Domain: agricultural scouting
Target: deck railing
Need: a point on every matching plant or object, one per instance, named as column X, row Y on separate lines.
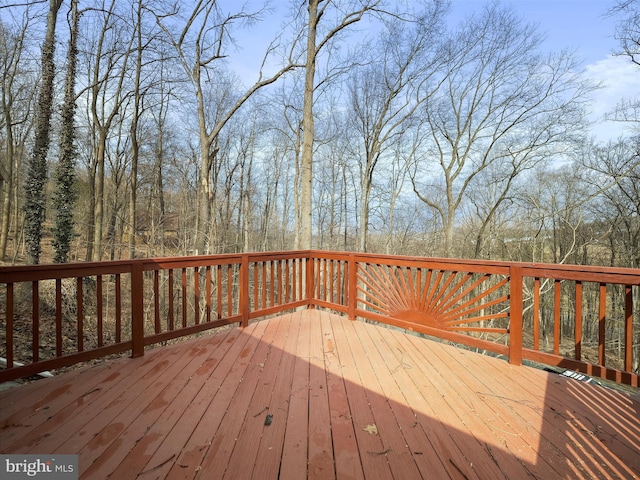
column 581, row 318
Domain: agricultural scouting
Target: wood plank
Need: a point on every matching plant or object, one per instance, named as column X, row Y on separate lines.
column 80, row 406
column 269, row 455
column 175, row 435
column 193, row 452
column 321, row 462
column 260, row 413
column 147, row 430
column 395, row 447
column 408, row 403
column 374, row 464
column 295, row 448
column 345, row 447
column 226, row 436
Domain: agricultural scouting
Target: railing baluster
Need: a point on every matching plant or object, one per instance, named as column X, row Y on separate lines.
column 9, row 337
column 628, row 328
column 536, row 313
column 156, row 301
column 171, row 302
column 80, row 313
column 578, row 322
column 35, row 319
column 602, row 321
column 99, row 312
column 208, row 292
column 556, row 317
column 515, row 315
column 118, row 309
column 58, row 317
column 196, row 296
column 137, row 309
column 229, row 290
column 184, row 298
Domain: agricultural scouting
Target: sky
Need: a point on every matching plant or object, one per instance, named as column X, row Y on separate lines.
column 581, row 26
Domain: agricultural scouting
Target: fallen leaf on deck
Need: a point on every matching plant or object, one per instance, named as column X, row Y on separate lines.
column 371, row 429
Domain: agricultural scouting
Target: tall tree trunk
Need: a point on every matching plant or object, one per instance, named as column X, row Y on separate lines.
column 37, row 171
column 306, row 181
column 65, row 194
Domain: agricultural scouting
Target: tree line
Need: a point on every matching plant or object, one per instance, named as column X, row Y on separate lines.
column 135, row 128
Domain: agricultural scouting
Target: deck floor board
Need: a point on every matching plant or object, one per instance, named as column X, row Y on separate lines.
column 346, row 400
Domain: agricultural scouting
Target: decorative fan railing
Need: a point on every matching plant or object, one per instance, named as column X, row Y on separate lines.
column 448, row 300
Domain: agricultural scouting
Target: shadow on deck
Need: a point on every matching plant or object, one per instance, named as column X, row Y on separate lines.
column 314, row 395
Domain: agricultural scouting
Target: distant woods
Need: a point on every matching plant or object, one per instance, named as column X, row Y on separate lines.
column 138, row 128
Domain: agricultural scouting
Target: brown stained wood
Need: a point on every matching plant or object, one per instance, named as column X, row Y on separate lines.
column 348, row 399
column 189, row 459
column 190, row 413
column 295, row 448
column 269, row 454
column 321, row 461
column 260, row 412
column 370, row 445
column 394, row 445
column 345, row 446
column 185, row 408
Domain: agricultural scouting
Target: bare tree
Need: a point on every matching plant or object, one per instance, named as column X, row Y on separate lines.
column 202, row 44
column 336, row 19
column 35, row 205
column 500, row 102
column 18, row 90
column 108, row 62
column 65, row 189
column 386, row 92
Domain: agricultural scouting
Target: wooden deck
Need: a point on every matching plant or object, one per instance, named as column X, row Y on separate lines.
column 314, row 395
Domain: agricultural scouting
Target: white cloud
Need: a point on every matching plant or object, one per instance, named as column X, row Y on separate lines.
column 619, row 79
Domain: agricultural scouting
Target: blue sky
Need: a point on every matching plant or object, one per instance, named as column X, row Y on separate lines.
column 582, row 26
column 579, row 25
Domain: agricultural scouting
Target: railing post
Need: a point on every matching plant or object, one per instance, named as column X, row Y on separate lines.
column 515, row 315
column 352, row 293
column 244, row 290
column 310, row 279
column 137, row 308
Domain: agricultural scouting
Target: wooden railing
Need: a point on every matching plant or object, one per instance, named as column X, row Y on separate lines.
column 582, row 318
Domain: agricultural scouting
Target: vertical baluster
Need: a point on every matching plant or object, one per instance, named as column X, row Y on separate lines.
column 536, row 313
column 229, row 290
column 294, row 278
column 99, row 312
column 628, row 328
column 58, row 317
column 219, row 280
column 287, row 288
column 264, row 284
column 602, row 323
column 80, row 313
column 196, row 296
column 9, row 339
column 184, row 298
column 118, row 309
column 256, row 282
column 35, row 321
column 578, row 321
column 171, row 304
column 208, row 292
column 556, row 317
column 156, row 301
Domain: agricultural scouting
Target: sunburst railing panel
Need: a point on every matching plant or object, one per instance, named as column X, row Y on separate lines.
column 466, row 302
